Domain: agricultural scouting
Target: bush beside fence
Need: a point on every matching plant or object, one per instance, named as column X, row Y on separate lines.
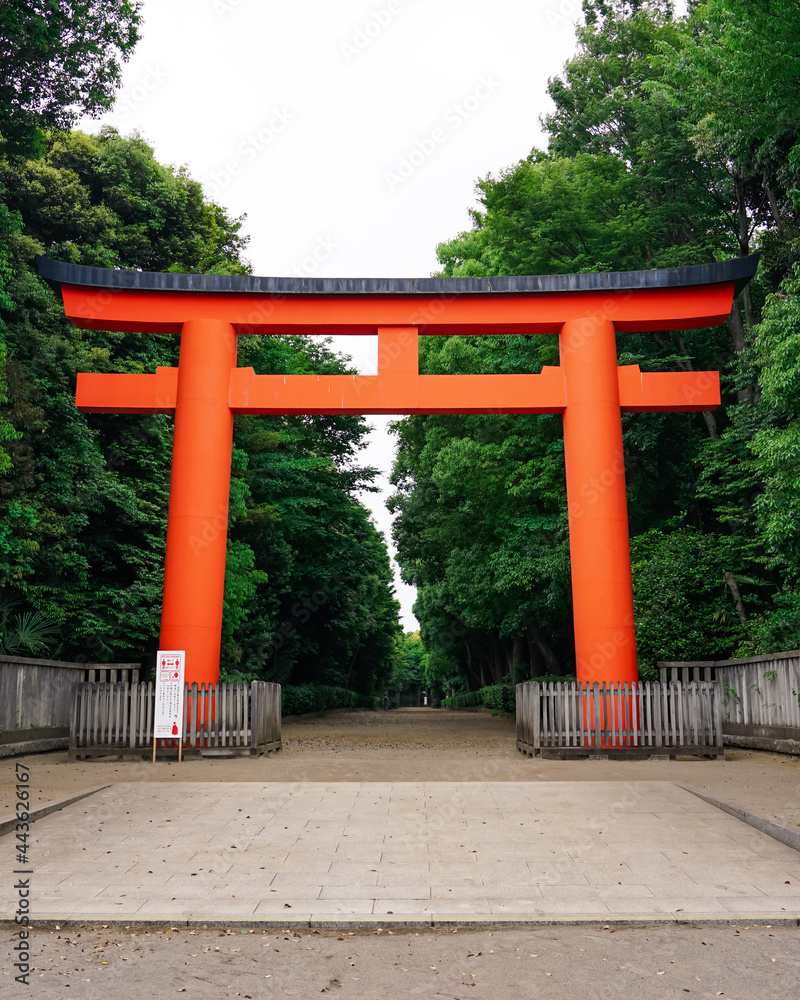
column 497, row 697
column 303, row 699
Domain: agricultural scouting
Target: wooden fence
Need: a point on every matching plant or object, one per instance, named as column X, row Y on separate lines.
column 626, row 720
column 36, row 695
column 218, row 720
column 760, row 694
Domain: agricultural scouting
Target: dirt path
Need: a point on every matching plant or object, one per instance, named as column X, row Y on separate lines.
column 559, row 963
column 426, row 745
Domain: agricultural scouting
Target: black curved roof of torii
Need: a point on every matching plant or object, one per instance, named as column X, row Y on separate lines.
column 739, row 270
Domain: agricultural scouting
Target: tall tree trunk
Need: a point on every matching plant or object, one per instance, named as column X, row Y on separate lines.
column 498, row 661
column 481, row 659
column 739, row 190
column 737, row 328
column 473, row 673
column 708, row 416
column 518, row 659
column 774, row 208
column 745, row 225
column 733, row 586
column 745, row 395
column 543, row 659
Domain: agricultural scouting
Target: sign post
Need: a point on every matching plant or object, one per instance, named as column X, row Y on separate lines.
column 168, row 714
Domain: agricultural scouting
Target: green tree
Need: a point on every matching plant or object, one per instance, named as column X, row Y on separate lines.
column 740, row 62
column 61, row 59
column 84, row 499
column 645, row 168
column 410, row 663
column 777, row 448
column 481, row 529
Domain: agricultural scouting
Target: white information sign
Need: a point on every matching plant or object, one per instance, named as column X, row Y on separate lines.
column 168, row 721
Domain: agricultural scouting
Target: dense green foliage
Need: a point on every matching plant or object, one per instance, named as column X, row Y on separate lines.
column 407, row 681
column 60, row 59
column 84, row 498
column 497, row 697
column 673, row 141
column 307, row 698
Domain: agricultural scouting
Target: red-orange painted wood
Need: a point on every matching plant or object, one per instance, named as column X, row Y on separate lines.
column 104, row 393
column 588, row 388
column 639, row 392
column 602, row 592
column 197, row 526
column 251, row 393
column 630, row 311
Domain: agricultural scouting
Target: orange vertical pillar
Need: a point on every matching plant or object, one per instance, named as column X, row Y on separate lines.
column 197, row 529
column 602, row 593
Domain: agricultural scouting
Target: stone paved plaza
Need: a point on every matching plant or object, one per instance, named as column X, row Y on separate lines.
column 292, row 853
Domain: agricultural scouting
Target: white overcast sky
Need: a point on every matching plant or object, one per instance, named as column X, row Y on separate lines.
column 350, row 133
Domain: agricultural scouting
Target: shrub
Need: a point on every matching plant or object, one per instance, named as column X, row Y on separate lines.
column 302, row 699
column 500, row 697
column 464, row 699
column 497, row 697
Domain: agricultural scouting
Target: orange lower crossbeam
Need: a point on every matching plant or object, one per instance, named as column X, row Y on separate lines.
column 400, row 394
column 639, row 392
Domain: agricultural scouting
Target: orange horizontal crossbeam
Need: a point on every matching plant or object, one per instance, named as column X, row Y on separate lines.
column 643, row 309
column 102, row 393
column 640, row 392
column 666, row 392
column 401, row 394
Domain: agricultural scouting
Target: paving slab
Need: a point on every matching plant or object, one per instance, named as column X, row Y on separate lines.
column 172, row 851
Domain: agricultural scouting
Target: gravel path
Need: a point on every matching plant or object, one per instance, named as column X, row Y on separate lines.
column 556, row 963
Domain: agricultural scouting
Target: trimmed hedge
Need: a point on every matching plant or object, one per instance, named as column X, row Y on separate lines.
column 465, row 699
column 302, row 699
column 497, row 697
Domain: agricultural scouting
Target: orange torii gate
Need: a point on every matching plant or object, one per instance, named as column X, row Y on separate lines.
column 588, row 388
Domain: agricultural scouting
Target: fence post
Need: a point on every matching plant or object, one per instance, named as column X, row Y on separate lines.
column 133, row 724
column 193, row 708
column 74, row 718
column 596, row 716
column 717, row 717
column 254, row 716
column 534, row 716
column 657, row 718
